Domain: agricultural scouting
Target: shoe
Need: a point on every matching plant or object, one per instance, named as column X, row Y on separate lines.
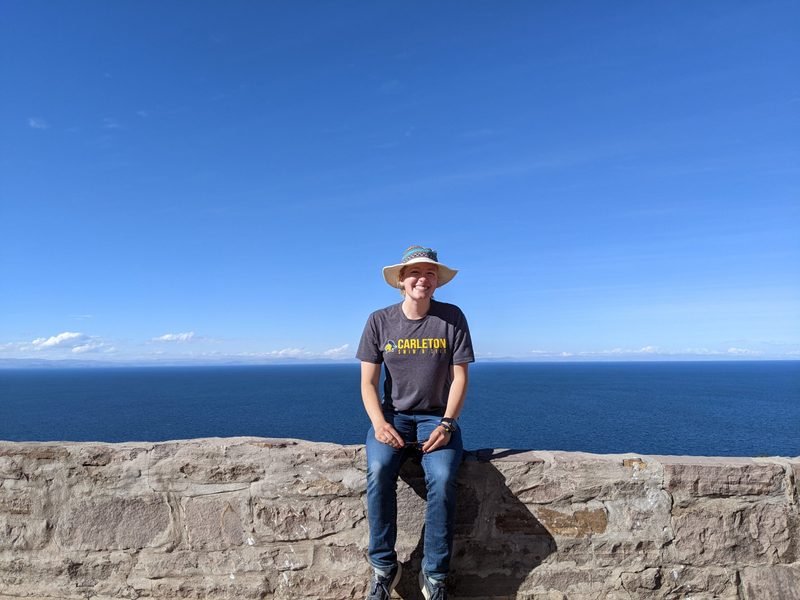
column 381, row 586
column 436, row 590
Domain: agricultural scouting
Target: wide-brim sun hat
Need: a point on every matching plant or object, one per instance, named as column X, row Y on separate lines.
column 418, row 254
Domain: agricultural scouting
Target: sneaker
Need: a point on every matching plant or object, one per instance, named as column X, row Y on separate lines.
column 381, row 586
column 432, row 590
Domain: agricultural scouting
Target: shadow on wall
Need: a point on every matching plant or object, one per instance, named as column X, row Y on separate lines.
column 498, row 541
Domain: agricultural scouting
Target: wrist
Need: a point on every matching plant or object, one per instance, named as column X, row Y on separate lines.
column 448, row 425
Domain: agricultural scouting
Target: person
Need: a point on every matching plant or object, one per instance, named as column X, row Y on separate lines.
column 425, row 348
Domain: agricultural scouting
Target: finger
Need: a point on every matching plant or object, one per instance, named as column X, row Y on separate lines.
column 388, row 435
column 433, row 442
column 397, row 438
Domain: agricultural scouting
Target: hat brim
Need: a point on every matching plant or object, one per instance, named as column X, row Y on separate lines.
column 392, row 273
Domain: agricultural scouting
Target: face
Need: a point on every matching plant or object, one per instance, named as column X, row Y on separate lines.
column 419, row 280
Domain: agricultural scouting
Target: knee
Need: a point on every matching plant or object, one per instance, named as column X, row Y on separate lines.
column 441, row 478
column 380, row 473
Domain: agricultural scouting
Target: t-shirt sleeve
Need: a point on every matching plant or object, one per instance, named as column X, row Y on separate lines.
column 462, row 344
column 368, row 347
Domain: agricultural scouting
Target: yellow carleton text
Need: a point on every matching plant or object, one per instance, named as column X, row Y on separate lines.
column 422, row 344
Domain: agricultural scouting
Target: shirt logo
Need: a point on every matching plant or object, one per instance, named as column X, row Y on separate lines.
column 389, row 346
column 422, row 345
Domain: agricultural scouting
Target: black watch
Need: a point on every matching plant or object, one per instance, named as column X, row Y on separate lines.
column 451, row 422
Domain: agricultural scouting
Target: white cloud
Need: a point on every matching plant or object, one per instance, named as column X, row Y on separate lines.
column 744, row 352
column 143, row 113
column 649, row 351
column 111, row 123
column 340, row 352
column 93, row 346
column 37, row 123
column 175, row 337
column 290, row 353
column 67, row 339
column 75, row 342
column 699, row 352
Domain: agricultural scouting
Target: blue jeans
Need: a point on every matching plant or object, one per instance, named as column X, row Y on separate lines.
column 441, row 470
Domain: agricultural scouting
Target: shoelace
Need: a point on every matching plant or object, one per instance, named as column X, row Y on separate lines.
column 380, row 584
column 439, row 592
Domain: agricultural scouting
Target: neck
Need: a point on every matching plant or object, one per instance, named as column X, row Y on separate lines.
column 416, row 309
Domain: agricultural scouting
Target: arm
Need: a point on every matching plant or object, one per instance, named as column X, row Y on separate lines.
column 384, row 432
column 455, row 401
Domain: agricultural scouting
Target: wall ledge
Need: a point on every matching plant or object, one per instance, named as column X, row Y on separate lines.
column 281, row 518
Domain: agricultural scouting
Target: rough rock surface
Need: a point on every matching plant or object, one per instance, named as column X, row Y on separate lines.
column 262, row 518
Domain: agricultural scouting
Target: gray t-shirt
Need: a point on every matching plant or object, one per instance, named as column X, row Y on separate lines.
column 416, row 354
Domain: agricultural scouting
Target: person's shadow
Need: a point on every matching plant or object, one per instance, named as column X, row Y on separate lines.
column 497, row 543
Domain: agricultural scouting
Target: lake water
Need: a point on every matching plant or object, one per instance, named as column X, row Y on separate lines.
column 701, row 408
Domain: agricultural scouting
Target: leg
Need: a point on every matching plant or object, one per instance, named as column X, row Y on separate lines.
column 441, row 470
column 383, row 466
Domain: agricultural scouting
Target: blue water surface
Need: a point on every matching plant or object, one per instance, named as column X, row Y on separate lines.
column 700, row 408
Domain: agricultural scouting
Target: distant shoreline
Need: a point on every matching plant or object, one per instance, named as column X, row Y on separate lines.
column 24, row 363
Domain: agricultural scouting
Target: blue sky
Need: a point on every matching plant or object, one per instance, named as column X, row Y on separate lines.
column 224, row 181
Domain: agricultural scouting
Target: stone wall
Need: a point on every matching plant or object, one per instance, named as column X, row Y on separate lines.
column 258, row 518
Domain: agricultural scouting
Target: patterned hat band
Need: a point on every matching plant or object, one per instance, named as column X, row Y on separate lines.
column 418, row 254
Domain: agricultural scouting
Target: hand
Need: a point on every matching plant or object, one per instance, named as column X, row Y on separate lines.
column 386, row 434
column 438, row 439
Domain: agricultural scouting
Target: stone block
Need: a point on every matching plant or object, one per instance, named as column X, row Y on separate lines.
column 580, row 522
column 305, row 519
column 204, row 587
column 99, row 573
column 226, row 465
column 296, row 585
column 35, row 462
column 578, row 584
column 217, row 521
column 729, row 532
column 15, row 500
column 694, row 477
column 646, row 581
column 269, row 560
column 497, row 567
column 11, row 468
column 114, row 523
column 648, row 517
column 580, row 477
column 21, row 532
column 65, row 575
column 778, row 582
column 39, row 574
column 109, row 467
column 159, row 563
column 680, row 582
column 609, row 551
column 37, row 452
